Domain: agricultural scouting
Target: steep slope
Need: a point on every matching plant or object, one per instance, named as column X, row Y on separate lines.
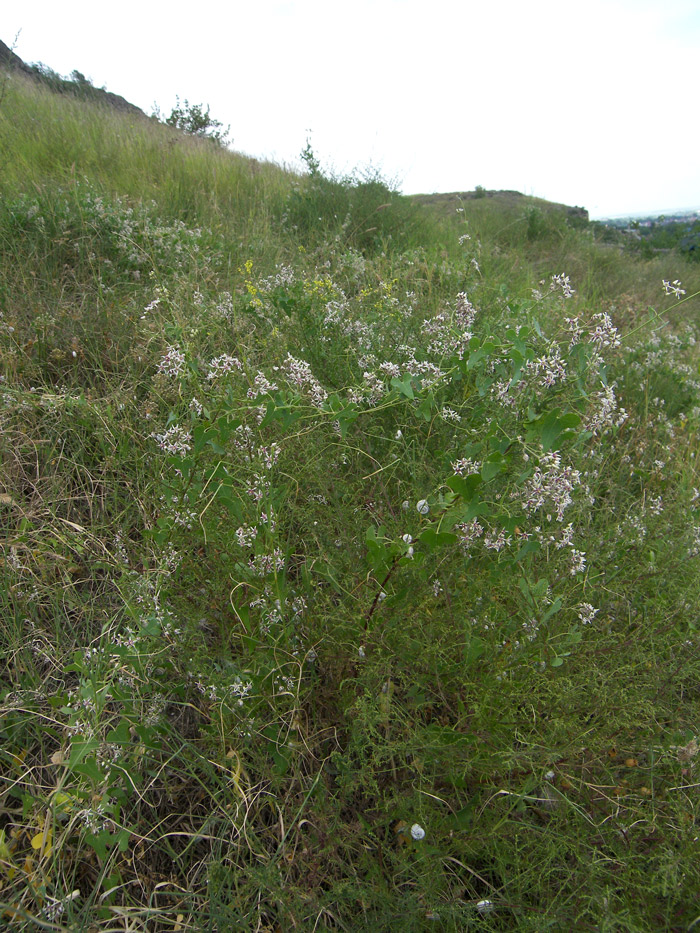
column 77, row 86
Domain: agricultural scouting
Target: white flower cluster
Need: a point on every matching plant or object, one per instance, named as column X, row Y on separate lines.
column 469, row 532
column 604, row 335
column 423, row 369
column 466, row 466
column 269, row 455
column 224, row 306
column 298, row 372
column 261, row 386
column 392, row 370
column 551, row 484
column 575, row 330
column 176, row 441
column 172, row 363
column 246, row 535
column 241, row 689
column 587, row 613
column 549, row 368
column 451, row 331
column 607, row 413
column 694, row 549
column 263, row 564
column 562, row 281
column 578, row 562
column 258, row 488
column 496, row 542
column 223, row 364
column 283, row 278
column 274, row 611
column 673, row 288
column 94, row 818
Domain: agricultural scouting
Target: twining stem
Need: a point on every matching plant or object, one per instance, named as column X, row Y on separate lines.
column 381, row 590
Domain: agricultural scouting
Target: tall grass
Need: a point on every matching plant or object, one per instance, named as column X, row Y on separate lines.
column 51, row 139
column 349, row 566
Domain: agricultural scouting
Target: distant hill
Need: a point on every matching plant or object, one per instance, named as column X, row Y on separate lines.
column 76, row 85
column 503, row 199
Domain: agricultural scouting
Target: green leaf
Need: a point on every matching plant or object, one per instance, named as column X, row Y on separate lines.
column 225, row 494
column 279, row 409
column 551, row 426
column 476, row 509
column 218, row 472
column 397, row 598
column 530, row 547
column 99, row 842
column 285, row 303
column 378, row 557
column 346, row 416
column 80, row 749
column 477, row 647
column 403, row 385
column 371, row 533
column 493, row 466
column 553, row 609
column 120, row 735
column 465, row 486
column 280, row 754
column 519, row 345
column 89, row 769
column 434, row 539
column 199, row 433
column 474, row 358
column 518, row 361
column 463, row 818
column 425, row 409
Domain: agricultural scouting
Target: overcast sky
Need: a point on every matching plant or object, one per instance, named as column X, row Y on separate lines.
column 592, row 103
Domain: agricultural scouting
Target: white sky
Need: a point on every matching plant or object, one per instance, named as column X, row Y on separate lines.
column 592, row 103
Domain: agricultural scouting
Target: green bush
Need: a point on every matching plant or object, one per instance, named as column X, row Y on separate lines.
column 196, row 120
column 360, row 211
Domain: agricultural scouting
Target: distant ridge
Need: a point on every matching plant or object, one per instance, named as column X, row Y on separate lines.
column 506, row 198
column 8, row 59
column 78, row 87
column 678, row 213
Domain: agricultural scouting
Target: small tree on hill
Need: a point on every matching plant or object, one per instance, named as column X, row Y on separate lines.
column 196, row 120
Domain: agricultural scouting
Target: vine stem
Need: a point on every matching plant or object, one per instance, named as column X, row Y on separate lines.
column 380, row 591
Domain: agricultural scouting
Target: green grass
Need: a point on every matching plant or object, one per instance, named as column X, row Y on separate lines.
column 283, row 576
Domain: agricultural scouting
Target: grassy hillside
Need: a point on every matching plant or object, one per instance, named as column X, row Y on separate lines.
column 350, row 550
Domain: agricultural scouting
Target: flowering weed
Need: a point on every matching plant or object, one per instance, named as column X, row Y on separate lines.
column 348, row 576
